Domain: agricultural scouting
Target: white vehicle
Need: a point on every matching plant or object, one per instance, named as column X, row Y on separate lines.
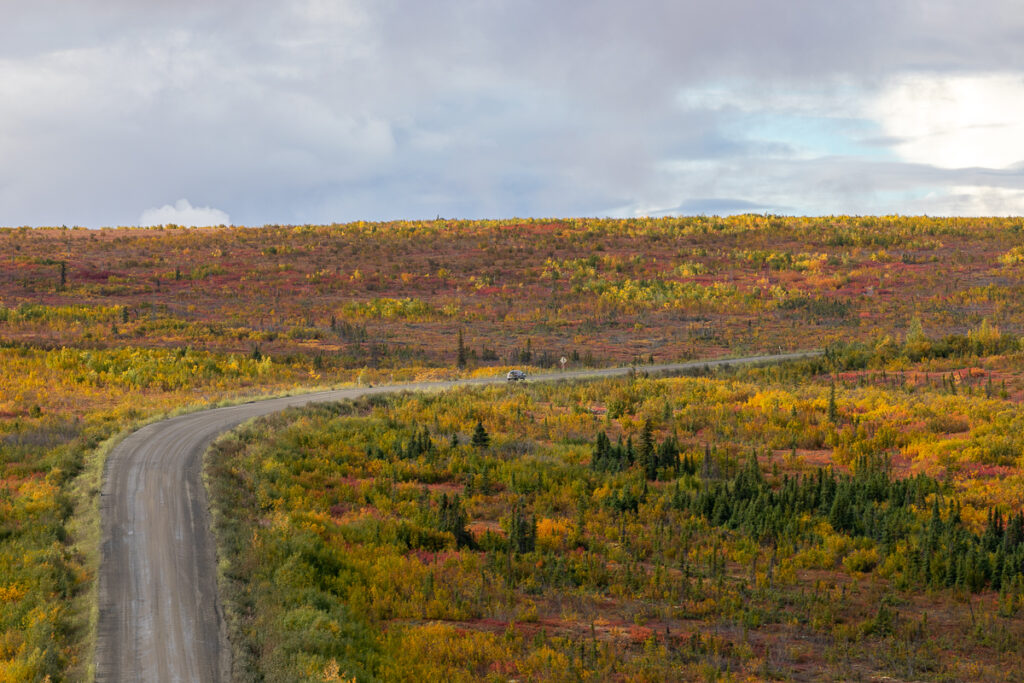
column 515, row 375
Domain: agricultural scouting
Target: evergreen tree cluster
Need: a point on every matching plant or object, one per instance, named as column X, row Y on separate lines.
column 942, row 551
column 652, row 457
column 625, row 500
column 418, row 444
column 522, row 531
column 451, row 517
column 608, row 458
column 947, row 554
column 868, row 503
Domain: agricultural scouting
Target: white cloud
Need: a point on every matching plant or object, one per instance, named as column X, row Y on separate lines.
column 954, row 121
column 974, row 200
column 183, row 213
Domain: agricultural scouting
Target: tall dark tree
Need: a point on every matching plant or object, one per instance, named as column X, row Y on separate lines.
column 451, row 517
column 833, row 410
column 461, row 360
column 708, row 468
column 647, row 457
column 668, row 454
column 600, row 459
column 522, row 532
column 481, row 439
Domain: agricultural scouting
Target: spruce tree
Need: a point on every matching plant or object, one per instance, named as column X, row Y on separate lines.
column 461, row 360
column 522, row 533
column 668, row 454
column 452, row 518
column 833, row 410
column 481, row 439
column 600, row 459
column 648, row 462
column 708, row 468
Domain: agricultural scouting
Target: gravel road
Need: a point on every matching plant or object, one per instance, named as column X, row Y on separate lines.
column 159, row 617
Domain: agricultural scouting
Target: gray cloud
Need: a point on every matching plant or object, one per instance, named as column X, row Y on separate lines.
column 321, row 111
column 720, row 206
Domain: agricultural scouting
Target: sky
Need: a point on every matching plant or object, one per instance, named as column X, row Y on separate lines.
column 254, row 112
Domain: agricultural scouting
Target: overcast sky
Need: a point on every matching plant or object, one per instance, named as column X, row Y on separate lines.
column 120, row 112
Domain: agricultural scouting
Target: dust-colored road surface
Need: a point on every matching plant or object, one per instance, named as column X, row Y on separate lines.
column 159, row 616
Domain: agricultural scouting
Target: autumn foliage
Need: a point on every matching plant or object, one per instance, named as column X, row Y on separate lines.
column 101, row 330
column 703, row 529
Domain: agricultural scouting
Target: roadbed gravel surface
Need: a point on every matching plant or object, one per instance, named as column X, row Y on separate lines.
column 159, row 615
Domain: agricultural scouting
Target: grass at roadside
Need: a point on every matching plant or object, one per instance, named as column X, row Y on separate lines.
column 84, row 530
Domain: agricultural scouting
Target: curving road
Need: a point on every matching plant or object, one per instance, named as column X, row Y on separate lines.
column 159, row 617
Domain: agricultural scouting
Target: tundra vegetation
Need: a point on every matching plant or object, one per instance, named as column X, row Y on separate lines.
column 539, row 546
column 832, row 519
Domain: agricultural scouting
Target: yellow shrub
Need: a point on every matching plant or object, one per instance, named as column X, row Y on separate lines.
column 862, row 561
column 553, row 534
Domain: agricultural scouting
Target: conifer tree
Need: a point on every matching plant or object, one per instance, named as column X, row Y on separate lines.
column 668, row 455
column 833, row 410
column 601, row 456
column 461, row 359
column 708, row 468
column 647, row 458
column 481, row 439
column 522, row 532
column 452, row 518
